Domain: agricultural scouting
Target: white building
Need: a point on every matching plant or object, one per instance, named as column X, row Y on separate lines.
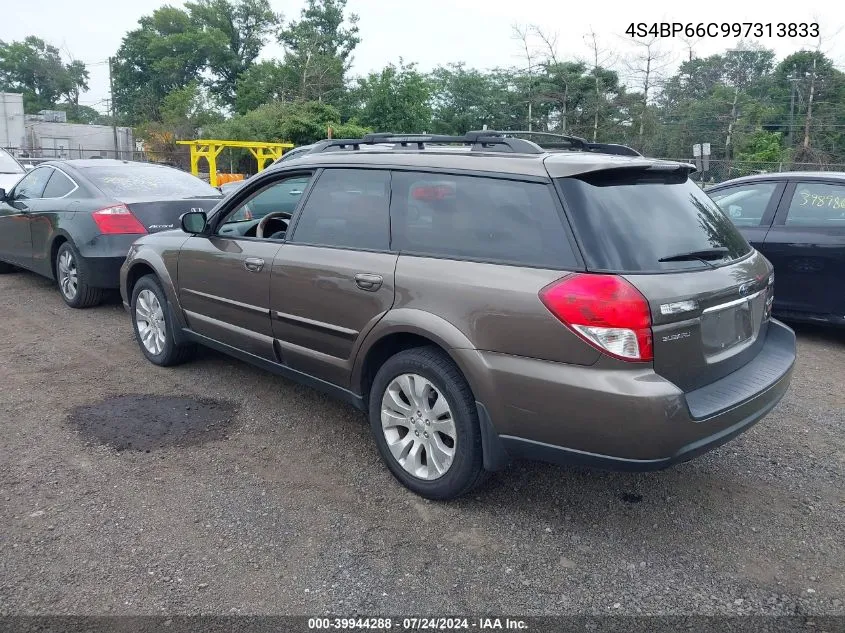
column 76, row 140
column 46, row 135
column 11, row 121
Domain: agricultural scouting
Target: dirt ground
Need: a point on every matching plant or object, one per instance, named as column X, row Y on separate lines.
column 269, row 498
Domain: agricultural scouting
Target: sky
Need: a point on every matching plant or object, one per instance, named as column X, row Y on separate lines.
column 435, row 32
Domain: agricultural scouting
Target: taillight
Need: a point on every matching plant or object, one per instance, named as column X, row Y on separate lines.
column 116, row 220
column 606, row 311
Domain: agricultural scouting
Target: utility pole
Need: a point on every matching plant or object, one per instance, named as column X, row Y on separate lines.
column 809, row 119
column 112, row 108
column 793, row 79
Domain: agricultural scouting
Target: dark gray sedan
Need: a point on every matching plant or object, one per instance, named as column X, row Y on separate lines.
column 73, row 221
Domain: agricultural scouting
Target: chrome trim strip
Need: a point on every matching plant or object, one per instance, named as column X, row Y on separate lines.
column 237, row 304
column 298, row 320
column 730, row 304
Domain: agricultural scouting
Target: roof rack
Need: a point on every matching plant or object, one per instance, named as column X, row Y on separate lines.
column 567, row 142
column 481, row 140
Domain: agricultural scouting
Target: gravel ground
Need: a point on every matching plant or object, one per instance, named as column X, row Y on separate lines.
column 283, row 506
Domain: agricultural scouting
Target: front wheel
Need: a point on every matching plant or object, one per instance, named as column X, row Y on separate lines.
column 153, row 324
column 423, row 417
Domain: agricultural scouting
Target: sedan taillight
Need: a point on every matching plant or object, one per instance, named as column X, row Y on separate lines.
column 117, row 220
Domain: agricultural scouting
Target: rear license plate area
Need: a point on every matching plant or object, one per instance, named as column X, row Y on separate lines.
column 727, row 328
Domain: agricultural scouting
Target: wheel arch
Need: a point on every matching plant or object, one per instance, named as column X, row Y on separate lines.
column 145, row 261
column 405, row 329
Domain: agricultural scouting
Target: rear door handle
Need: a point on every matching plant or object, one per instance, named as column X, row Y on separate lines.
column 366, row 281
column 254, row 264
column 295, row 192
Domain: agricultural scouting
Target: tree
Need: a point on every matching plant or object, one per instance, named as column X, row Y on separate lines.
column 646, row 69
column 35, row 69
column 396, row 99
column 318, row 49
column 215, row 39
column 167, row 52
column 600, row 58
column 82, row 114
column 240, row 29
column 262, row 83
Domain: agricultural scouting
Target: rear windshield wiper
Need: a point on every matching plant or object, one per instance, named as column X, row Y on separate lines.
column 705, row 255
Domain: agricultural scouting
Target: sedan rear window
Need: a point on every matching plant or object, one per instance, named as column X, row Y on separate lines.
column 138, row 180
column 637, row 221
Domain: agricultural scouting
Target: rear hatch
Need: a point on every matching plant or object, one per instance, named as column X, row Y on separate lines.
column 708, row 291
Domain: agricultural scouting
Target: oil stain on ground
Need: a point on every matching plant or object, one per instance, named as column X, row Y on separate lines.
column 147, row 422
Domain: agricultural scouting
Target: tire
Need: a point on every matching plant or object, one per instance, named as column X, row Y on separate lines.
column 6, row 268
column 71, row 276
column 163, row 351
column 431, row 480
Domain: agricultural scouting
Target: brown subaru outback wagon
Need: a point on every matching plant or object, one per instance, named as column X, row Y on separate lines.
column 482, row 299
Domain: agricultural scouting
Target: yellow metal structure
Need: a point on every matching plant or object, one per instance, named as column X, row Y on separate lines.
column 210, row 150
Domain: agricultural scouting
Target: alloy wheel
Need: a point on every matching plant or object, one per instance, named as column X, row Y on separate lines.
column 68, row 275
column 418, row 426
column 149, row 319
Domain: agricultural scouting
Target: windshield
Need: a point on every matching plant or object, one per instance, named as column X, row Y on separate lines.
column 138, row 180
column 9, row 165
column 629, row 220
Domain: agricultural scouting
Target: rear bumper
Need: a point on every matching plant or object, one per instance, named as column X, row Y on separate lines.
column 103, row 256
column 627, row 420
column 103, row 272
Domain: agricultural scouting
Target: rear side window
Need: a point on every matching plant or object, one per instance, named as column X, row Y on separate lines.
column 59, row 185
column 347, row 208
column 817, row 204
column 135, row 180
column 629, row 220
column 745, row 204
column 485, row 219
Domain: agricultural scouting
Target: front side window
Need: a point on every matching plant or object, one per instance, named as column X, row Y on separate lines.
column 817, row 204
column 281, row 196
column 347, row 208
column 266, row 213
column 745, row 204
column 32, row 185
column 477, row 218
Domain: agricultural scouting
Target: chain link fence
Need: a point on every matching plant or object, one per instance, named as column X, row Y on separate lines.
column 722, row 170
column 718, row 170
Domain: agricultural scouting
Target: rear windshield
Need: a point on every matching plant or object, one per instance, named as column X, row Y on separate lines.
column 628, row 220
column 139, row 180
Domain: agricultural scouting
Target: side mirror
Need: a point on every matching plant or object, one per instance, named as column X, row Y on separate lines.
column 29, row 167
column 193, row 222
column 2, row 194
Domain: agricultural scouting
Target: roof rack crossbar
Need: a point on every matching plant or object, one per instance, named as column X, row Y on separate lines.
column 479, row 140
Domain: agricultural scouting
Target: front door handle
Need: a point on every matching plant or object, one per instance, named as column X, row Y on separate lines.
column 254, row 264
column 367, row 281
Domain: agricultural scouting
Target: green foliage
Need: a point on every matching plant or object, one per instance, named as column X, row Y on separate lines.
column 82, row 114
column 240, row 29
column 397, row 99
column 318, row 50
column 299, row 122
column 262, row 83
column 36, row 69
